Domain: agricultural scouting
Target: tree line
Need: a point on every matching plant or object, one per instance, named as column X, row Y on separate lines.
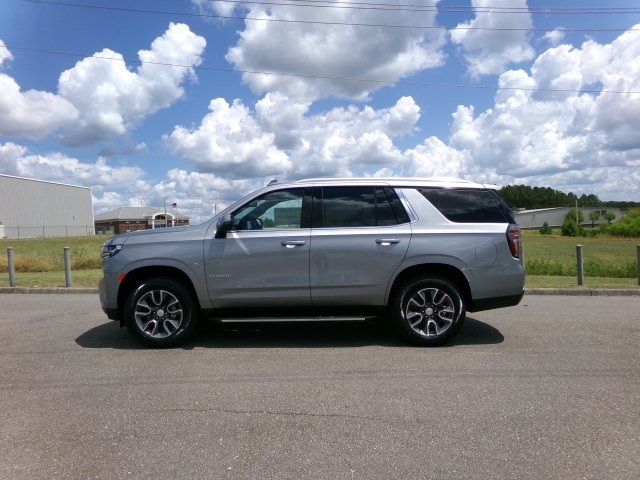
column 525, row 196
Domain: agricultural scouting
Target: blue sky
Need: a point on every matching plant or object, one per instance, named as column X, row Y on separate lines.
column 585, row 148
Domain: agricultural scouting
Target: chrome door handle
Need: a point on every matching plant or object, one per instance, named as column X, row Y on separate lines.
column 387, row 241
column 292, row 243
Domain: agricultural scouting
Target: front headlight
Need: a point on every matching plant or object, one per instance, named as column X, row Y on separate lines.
column 109, row 251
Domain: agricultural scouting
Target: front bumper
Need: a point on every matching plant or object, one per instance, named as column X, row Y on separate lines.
column 108, row 299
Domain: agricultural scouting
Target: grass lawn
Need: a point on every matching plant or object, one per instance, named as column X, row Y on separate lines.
column 603, row 256
column 561, row 248
column 47, row 254
column 81, row 278
column 550, row 281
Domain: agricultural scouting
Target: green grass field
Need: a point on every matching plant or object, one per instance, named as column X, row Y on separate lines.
column 550, row 261
column 46, row 254
column 603, row 257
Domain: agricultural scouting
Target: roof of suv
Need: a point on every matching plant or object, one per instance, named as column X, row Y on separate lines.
column 397, row 182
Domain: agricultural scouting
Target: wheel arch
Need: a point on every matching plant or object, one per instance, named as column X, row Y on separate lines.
column 448, row 271
column 137, row 275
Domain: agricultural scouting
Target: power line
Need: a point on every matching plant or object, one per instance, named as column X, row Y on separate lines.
column 316, row 22
column 315, row 77
column 412, row 7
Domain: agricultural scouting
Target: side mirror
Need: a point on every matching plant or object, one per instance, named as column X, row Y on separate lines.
column 225, row 224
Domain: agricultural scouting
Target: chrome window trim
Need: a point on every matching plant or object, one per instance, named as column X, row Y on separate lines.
column 413, row 217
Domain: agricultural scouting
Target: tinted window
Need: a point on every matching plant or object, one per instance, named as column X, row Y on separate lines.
column 274, row 210
column 466, row 206
column 348, row 207
column 396, row 205
column 359, row 207
column 508, row 214
column 384, row 212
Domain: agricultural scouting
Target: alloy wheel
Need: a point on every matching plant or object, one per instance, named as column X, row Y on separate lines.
column 430, row 312
column 158, row 314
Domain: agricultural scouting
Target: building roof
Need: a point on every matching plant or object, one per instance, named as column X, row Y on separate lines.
column 534, row 210
column 44, row 181
column 549, row 209
column 135, row 213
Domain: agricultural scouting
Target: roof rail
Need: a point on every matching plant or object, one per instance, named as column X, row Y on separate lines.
column 383, row 179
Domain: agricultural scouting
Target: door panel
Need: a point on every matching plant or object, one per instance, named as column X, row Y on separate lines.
column 264, row 259
column 259, row 268
column 352, row 266
column 357, row 246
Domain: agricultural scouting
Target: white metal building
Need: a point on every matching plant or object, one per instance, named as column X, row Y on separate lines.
column 555, row 216
column 36, row 208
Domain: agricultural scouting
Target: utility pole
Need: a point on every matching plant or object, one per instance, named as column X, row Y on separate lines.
column 165, row 211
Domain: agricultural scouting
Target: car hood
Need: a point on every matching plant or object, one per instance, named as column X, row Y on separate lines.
column 156, row 231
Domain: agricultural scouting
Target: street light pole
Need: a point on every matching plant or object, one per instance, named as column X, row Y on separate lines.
column 165, row 211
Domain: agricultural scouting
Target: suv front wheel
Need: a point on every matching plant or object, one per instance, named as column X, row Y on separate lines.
column 428, row 310
column 161, row 312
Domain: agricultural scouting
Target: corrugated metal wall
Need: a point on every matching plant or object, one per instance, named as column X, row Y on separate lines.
column 555, row 217
column 32, row 208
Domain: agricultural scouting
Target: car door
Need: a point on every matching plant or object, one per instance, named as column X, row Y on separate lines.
column 360, row 236
column 264, row 259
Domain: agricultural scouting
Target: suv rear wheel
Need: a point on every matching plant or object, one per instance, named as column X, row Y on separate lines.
column 161, row 312
column 428, row 310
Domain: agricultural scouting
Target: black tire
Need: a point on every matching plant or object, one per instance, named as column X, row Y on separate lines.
column 428, row 284
column 188, row 322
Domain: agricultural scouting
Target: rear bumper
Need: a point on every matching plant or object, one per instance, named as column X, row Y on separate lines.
column 494, row 302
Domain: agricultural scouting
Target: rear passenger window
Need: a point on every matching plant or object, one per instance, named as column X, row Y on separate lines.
column 466, row 205
column 360, row 207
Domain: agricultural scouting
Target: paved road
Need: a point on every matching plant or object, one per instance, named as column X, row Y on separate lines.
column 548, row 389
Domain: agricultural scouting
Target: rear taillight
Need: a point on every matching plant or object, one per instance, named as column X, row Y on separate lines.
column 513, row 239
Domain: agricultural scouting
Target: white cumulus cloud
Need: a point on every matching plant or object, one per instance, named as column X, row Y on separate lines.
column 490, row 51
column 554, row 37
column 98, row 99
column 32, row 114
column 16, row 160
column 5, row 53
column 280, row 138
column 582, row 141
column 331, row 50
column 229, row 140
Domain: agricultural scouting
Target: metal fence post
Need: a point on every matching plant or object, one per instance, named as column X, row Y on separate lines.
column 638, row 248
column 67, row 267
column 12, row 267
column 580, row 264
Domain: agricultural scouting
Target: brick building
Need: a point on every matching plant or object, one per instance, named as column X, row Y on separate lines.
column 131, row 219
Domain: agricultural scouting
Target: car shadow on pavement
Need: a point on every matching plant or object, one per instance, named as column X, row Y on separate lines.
column 283, row 335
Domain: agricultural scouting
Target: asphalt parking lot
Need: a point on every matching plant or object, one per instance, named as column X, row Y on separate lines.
column 548, row 389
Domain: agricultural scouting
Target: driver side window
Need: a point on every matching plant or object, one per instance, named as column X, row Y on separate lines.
column 271, row 211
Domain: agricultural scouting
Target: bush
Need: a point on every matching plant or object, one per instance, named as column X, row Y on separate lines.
column 572, row 216
column 546, row 229
column 592, row 268
column 629, row 226
column 570, row 228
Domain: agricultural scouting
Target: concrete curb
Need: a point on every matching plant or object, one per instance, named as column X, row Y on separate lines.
column 602, row 292
column 47, row 290
column 585, row 292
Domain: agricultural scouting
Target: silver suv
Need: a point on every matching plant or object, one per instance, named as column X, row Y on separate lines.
column 420, row 252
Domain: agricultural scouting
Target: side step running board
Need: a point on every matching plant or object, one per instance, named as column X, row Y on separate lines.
column 290, row 319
